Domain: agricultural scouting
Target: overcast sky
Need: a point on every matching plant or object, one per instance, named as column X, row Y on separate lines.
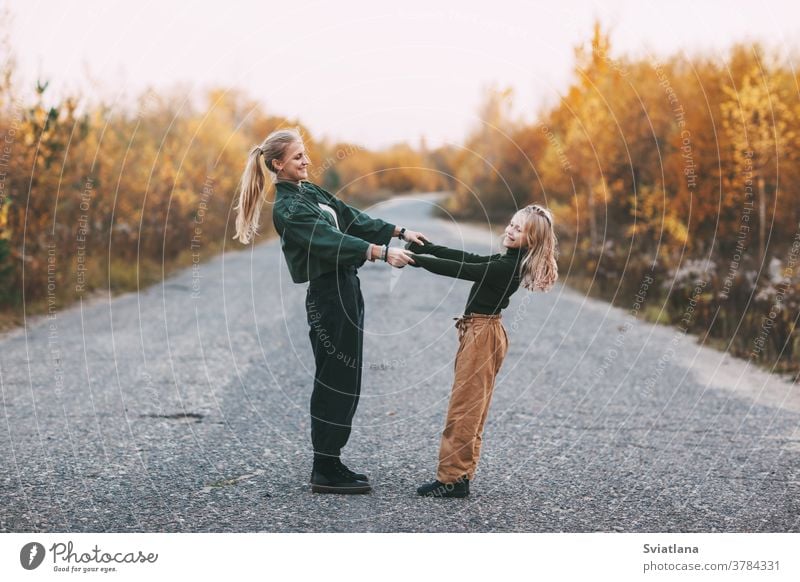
column 370, row 72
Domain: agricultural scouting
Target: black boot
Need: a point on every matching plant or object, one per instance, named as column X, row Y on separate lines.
column 356, row 476
column 459, row 488
column 343, row 467
column 331, row 476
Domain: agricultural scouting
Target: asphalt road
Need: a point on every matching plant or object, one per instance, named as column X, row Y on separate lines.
column 185, row 408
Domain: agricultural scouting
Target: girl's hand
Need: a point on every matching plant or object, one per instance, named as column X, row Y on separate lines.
column 418, row 248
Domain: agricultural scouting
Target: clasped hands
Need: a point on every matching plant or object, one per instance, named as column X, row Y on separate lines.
column 397, row 257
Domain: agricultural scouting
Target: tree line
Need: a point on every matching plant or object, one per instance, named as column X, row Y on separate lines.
column 95, row 196
column 680, row 170
column 672, row 179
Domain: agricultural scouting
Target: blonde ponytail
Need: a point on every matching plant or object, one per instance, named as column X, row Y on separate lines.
column 253, row 185
column 539, row 270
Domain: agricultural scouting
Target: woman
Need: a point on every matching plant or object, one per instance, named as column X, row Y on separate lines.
column 324, row 241
column 530, row 261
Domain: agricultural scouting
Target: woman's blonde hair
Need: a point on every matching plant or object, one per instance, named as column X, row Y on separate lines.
column 253, row 185
column 539, row 270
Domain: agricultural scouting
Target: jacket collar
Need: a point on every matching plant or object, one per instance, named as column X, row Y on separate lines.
column 285, row 188
column 285, row 184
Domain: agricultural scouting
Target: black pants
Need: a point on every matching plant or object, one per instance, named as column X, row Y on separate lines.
column 335, row 310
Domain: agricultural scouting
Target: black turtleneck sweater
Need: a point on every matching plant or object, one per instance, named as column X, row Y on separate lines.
column 496, row 277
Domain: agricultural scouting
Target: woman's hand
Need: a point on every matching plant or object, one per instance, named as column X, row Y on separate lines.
column 410, row 235
column 399, row 258
column 415, row 237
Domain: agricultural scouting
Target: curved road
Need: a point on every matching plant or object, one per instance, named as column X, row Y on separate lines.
column 184, row 408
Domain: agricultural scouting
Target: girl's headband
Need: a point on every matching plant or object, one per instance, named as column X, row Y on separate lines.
column 542, row 211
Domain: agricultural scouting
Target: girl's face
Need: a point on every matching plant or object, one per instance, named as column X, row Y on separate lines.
column 294, row 165
column 514, row 237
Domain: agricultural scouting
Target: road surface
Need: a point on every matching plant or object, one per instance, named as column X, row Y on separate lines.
column 184, row 408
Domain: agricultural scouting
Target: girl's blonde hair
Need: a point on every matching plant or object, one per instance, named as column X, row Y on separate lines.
column 253, row 185
column 539, row 270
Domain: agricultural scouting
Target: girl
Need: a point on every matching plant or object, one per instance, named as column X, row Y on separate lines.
column 530, row 261
column 323, row 241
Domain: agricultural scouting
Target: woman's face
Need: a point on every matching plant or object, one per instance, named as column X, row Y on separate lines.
column 295, row 162
column 514, row 237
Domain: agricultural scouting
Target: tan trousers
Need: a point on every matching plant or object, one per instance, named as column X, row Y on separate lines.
column 483, row 344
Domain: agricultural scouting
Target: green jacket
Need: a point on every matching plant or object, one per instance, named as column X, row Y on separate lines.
column 310, row 240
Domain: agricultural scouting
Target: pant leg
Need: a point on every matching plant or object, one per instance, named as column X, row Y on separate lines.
column 335, row 313
column 500, row 342
column 475, row 370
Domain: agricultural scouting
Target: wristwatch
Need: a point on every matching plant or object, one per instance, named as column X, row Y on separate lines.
column 401, row 233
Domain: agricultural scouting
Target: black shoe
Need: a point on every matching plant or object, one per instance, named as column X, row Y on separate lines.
column 332, row 478
column 459, row 488
column 356, row 476
column 348, row 472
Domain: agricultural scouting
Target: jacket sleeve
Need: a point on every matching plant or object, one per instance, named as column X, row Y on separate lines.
column 318, row 237
column 492, row 270
column 447, row 253
column 359, row 224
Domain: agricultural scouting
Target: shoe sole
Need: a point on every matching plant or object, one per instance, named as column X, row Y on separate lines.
column 448, row 495
column 311, row 479
column 341, row 490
